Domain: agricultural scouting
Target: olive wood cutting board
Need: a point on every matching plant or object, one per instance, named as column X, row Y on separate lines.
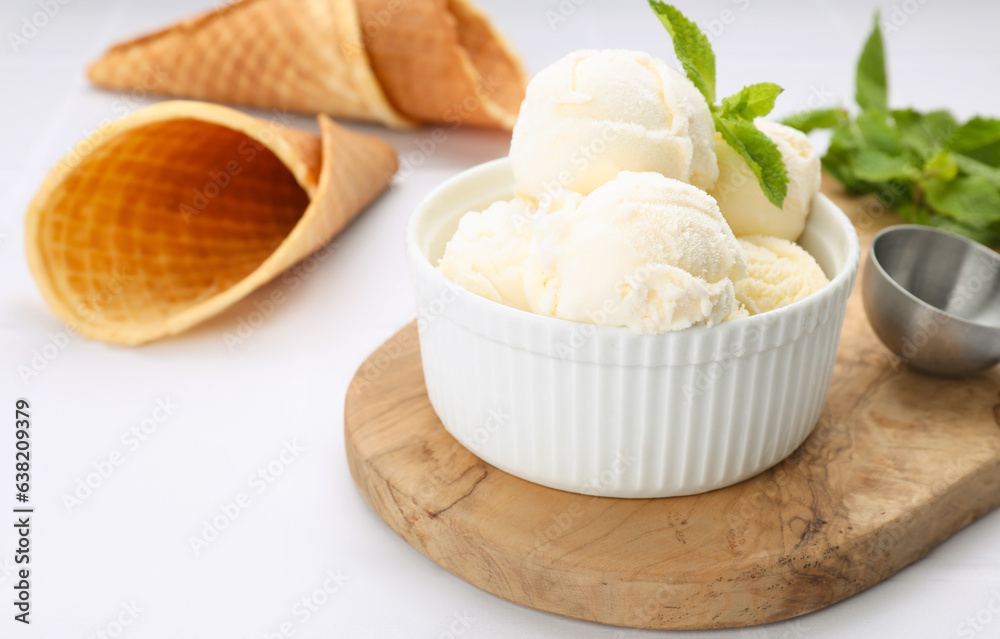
column 898, row 462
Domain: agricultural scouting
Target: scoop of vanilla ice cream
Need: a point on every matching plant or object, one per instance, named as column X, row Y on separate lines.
column 779, row 272
column 488, row 251
column 741, row 199
column 642, row 251
column 594, row 114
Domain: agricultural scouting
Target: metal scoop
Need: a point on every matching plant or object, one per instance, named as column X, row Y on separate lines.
column 933, row 298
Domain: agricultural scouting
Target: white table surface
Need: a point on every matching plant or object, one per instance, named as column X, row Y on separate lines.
column 128, row 543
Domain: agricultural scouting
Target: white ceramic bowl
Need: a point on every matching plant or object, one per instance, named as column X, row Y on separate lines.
column 606, row 411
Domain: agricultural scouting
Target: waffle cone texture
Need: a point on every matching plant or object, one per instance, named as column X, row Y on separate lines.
column 398, row 62
column 171, row 214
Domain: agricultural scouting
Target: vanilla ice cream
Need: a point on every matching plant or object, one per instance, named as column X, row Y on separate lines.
column 741, row 199
column 642, row 251
column 593, row 114
column 779, row 272
column 487, row 254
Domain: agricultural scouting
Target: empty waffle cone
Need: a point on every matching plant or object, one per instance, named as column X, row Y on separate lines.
column 302, row 55
column 173, row 213
column 443, row 61
column 391, row 61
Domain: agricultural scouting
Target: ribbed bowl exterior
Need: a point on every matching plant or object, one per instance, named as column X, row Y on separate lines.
column 603, row 410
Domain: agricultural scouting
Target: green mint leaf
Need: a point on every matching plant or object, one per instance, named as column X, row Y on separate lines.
column 871, row 87
column 734, row 119
column 912, row 214
column 923, row 133
column 971, row 200
column 895, row 193
column 989, row 236
column 926, row 166
column 807, row 121
column 872, row 165
column 840, row 169
column 844, row 144
column 968, row 166
column 979, row 139
column 691, row 47
column 848, row 138
column 942, row 166
column 939, row 126
column 753, row 101
column 761, row 154
column 879, row 133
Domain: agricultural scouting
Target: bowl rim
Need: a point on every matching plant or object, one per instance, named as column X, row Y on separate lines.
column 417, row 257
column 930, row 230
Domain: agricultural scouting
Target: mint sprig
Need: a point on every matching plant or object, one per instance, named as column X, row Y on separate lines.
column 760, row 152
column 691, row 47
column 753, row 101
column 734, row 117
column 870, row 84
column 806, row 121
column 926, row 166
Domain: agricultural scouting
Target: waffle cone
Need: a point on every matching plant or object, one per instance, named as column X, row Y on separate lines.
column 392, row 61
column 304, row 56
column 173, row 213
column 443, row 61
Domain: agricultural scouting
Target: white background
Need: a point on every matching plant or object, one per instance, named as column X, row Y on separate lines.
column 129, row 541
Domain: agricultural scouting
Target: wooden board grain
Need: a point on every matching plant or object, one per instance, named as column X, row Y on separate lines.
column 898, row 462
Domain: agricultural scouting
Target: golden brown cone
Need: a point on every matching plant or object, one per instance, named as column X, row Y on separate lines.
column 173, row 213
column 442, row 61
column 391, row 61
column 304, row 56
